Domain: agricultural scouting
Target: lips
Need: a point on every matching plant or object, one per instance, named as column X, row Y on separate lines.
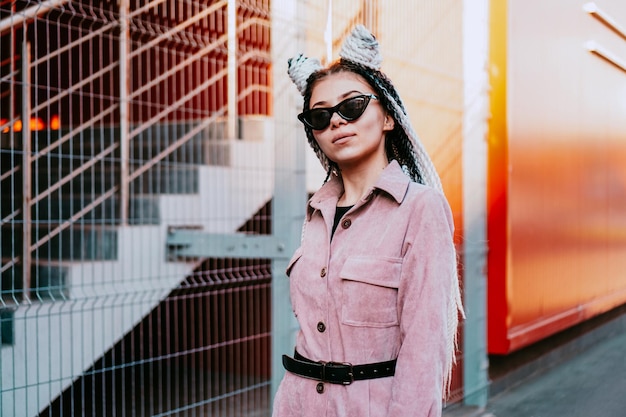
column 341, row 136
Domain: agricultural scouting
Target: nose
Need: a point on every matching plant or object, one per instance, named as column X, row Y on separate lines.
column 336, row 119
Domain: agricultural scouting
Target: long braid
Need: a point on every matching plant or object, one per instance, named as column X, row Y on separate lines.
column 405, row 147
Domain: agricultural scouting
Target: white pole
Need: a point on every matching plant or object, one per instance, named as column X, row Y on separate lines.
column 26, row 168
column 288, row 206
column 475, row 130
column 124, row 113
column 328, row 33
column 231, row 127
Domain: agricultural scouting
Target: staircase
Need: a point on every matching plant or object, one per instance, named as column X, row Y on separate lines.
column 93, row 278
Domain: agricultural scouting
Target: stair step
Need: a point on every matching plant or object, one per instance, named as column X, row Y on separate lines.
column 61, row 208
column 167, row 179
column 82, row 243
column 86, row 242
column 48, row 283
column 143, row 147
column 7, row 326
column 144, row 210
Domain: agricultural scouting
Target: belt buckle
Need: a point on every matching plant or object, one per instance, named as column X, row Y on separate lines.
column 338, row 365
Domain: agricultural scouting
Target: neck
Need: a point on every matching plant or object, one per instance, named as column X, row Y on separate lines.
column 357, row 182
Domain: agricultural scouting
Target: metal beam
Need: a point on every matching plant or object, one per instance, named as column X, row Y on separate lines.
column 200, row 244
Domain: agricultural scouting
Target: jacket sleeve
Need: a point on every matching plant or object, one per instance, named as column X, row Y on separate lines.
column 428, row 277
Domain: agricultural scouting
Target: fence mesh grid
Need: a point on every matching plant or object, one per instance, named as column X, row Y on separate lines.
column 126, row 108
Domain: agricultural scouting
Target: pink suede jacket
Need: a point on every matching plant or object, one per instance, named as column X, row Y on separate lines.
column 377, row 291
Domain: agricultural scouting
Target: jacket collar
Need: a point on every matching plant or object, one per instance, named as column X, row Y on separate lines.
column 392, row 181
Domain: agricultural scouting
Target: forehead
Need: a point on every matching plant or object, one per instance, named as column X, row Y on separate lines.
column 334, row 86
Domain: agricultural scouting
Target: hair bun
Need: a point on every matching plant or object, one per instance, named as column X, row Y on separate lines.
column 361, row 47
column 300, row 68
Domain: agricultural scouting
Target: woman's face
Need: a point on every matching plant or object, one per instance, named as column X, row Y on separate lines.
column 361, row 142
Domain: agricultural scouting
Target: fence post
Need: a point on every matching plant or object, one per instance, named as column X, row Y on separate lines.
column 124, row 114
column 231, row 125
column 26, row 168
column 290, row 186
column 475, row 114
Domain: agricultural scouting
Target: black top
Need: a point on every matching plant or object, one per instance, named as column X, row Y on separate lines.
column 339, row 212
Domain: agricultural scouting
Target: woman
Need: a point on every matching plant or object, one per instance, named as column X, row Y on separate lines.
column 374, row 283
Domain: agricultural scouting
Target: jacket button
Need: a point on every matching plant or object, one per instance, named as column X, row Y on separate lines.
column 346, row 223
column 320, row 388
column 323, row 272
column 321, row 327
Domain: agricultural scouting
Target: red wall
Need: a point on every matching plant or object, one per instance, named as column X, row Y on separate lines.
column 557, row 177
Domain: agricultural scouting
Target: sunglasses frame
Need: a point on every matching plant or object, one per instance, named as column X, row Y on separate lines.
column 335, row 109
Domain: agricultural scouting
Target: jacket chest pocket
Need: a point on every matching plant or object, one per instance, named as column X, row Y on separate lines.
column 294, row 259
column 369, row 288
column 292, row 285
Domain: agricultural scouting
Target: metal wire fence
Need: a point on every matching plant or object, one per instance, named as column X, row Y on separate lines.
column 123, row 122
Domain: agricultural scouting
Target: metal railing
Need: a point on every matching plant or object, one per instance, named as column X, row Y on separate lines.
column 106, row 58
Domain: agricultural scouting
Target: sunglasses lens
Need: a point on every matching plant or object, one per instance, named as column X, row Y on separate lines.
column 318, row 118
column 353, row 108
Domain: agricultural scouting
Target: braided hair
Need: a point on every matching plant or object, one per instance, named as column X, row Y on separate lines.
column 360, row 55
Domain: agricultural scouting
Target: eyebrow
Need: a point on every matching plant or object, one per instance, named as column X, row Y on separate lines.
column 341, row 97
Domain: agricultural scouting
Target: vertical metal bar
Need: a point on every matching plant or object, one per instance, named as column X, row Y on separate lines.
column 124, row 113
column 287, row 39
column 232, row 70
column 475, row 128
column 26, row 168
column 366, row 6
column 371, row 13
column 328, row 32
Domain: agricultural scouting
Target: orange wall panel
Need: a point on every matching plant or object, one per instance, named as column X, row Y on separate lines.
column 557, row 171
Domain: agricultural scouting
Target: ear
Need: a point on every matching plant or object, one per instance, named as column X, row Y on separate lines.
column 389, row 123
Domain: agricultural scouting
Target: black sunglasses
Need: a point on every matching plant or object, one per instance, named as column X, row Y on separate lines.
column 350, row 109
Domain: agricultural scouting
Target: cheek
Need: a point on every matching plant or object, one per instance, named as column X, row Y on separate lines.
column 321, row 139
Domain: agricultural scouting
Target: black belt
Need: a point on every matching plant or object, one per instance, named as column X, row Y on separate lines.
column 337, row 372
